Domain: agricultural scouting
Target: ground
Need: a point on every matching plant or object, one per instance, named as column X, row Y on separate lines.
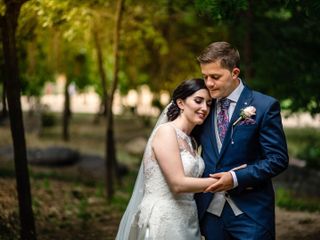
column 70, row 211
column 70, row 206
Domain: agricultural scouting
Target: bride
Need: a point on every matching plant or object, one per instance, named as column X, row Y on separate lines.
column 162, row 204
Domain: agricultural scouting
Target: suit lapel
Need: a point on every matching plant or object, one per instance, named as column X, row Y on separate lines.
column 244, row 101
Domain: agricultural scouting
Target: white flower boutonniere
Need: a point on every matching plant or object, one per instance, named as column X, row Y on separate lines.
column 245, row 115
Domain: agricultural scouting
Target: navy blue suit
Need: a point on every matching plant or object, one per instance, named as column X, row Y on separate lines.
column 261, row 145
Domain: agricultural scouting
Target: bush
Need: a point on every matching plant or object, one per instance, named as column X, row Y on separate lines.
column 311, row 154
column 304, row 143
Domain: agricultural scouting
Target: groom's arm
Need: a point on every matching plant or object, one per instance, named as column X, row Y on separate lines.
column 273, row 148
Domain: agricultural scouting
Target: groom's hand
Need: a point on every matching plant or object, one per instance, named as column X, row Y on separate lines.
column 224, row 183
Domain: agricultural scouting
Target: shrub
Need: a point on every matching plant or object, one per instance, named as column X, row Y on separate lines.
column 311, row 154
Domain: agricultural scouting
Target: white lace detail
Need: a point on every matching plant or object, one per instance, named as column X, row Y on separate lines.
column 169, row 215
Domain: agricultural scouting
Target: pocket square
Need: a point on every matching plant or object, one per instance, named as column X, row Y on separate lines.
column 247, row 121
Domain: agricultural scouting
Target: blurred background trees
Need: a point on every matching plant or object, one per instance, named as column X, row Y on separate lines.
column 159, row 40
column 278, row 41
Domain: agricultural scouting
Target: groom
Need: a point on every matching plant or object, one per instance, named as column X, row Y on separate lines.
column 243, row 129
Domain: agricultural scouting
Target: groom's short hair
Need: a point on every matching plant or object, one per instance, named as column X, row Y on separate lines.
column 224, row 52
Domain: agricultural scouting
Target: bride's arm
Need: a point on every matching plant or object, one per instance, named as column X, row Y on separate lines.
column 166, row 149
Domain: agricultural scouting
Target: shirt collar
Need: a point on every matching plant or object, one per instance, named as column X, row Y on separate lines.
column 234, row 96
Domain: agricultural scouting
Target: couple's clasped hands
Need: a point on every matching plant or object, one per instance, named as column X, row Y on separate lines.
column 224, row 180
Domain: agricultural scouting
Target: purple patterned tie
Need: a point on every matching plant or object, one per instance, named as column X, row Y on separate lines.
column 222, row 118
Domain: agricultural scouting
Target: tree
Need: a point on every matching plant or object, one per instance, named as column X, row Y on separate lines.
column 59, row 37
column 289, row 69
column 9, row 23
column 4, row 110
column 279, row 41
column 102, row 72
column 161, row 43
column 111, row 162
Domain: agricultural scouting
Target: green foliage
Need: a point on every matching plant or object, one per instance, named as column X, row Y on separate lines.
column 292, row 43
column 224, row 10
column 46, row 185
column 162, row 41
column 50, row 34
column 304, row 144
column 311, row 154
column 100, row 191
column 2, row 8
column 279, row 41
column 287, row 200
column 83, row 212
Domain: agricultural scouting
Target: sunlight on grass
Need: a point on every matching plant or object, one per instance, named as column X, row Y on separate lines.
column 287, row 200
column 298, row 138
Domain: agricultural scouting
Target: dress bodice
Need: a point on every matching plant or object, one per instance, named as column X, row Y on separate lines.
column 155, row 182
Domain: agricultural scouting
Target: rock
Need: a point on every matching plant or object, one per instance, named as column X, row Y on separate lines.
column 52, row 156
column 93, row 166
column 136, row 146
column 303, row 181
column 6, row 153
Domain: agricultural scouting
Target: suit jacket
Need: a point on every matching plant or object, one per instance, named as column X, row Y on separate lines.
column 260, row 144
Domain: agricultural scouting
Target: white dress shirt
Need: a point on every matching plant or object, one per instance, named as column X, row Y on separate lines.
column 219, row 198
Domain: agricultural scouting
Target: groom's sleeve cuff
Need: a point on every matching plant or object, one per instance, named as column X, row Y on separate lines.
column 235, row 180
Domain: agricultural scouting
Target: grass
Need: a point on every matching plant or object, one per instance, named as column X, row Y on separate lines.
column 67, row 205
column 299, row 138
column 288, row 200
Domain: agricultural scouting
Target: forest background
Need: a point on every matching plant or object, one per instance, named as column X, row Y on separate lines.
column 80, row 184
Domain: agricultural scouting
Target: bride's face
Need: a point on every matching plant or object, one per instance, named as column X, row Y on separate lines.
column 196, row 107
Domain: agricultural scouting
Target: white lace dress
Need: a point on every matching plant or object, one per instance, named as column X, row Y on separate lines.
column 166, row 215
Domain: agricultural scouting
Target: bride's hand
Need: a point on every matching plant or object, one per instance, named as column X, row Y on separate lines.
column 224, row 183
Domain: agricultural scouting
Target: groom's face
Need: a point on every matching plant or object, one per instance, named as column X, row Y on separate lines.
column 220, row 81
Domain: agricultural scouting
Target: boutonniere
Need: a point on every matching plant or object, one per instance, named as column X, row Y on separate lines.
column 245, row 115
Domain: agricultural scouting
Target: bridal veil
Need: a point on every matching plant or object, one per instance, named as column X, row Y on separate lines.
column 128, row 226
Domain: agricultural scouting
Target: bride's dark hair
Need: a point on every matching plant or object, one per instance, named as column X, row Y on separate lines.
column 184, row 90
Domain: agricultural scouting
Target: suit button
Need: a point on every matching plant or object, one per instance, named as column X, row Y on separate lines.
column 218, row 166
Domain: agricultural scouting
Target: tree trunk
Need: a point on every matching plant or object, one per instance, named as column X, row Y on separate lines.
column 9, row 26
column 66, row 112
column 111, row 161
column 4, row 110
column 102, row 72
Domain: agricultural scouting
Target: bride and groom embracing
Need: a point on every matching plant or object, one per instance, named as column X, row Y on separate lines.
column 208, row 163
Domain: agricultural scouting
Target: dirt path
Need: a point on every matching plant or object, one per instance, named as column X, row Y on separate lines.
column 293, row 225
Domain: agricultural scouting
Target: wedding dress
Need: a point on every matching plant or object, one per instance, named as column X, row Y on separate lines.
column 166, row 215
column 154, row 212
